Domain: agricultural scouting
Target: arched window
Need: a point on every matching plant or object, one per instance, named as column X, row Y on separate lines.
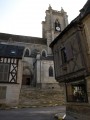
column 26, row 53
column 50, row 71
column 44, row 54
column 57, row 25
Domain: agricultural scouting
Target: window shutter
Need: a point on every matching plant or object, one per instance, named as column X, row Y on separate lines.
column 69, row 51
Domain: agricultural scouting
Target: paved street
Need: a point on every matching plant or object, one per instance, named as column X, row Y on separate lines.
column 45, row 113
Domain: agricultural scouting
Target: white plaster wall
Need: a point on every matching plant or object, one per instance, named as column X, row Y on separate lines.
column 13, row 89
column 12, row 94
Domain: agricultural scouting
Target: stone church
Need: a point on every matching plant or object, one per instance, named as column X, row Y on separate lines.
column 37, row 67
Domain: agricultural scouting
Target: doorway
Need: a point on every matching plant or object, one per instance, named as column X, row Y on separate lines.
column 26, row 80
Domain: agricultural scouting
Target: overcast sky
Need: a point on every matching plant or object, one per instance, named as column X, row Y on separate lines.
column 24, row 17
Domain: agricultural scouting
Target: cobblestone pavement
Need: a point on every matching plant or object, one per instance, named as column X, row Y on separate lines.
column 44, row 113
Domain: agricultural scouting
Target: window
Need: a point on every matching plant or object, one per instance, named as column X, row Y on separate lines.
column 4, row 72
column 50, row 71
column 76, row 91
column 13, row 52
column 2, row 92
column 63, row 55
column 26, row 53
column 69, row 51
column 44, row 54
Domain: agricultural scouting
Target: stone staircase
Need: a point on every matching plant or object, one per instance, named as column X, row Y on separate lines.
column 34, row 97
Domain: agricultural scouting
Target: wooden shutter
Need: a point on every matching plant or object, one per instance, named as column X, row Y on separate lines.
column 3, row 92
column 69, row 52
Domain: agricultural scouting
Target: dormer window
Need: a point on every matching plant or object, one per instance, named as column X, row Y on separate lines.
column 13, row 52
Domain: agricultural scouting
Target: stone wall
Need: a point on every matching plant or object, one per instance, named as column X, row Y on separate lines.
column 43, row 77
column 30, row 97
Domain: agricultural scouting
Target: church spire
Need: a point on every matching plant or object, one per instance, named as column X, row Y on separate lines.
column 50, row 8
column 62, row 10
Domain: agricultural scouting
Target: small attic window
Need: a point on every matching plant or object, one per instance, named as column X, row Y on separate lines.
column 13, row 52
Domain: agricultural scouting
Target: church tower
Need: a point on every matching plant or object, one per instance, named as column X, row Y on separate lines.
column 55, row 22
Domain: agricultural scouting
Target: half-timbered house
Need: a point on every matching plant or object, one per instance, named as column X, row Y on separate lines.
column 10, row 73
column 71, row 51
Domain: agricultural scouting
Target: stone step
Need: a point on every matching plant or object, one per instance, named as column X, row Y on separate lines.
column 31, row 97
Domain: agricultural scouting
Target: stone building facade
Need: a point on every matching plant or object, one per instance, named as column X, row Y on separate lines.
column 37, row 60
column 72, row 64
column 55, row 22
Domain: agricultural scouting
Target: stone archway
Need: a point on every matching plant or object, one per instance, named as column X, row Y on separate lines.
column 27, row 76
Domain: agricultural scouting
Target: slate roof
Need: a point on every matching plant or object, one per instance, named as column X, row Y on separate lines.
column 86, row 9
column 11, row 51
column 19, row 38
column 83, row 12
